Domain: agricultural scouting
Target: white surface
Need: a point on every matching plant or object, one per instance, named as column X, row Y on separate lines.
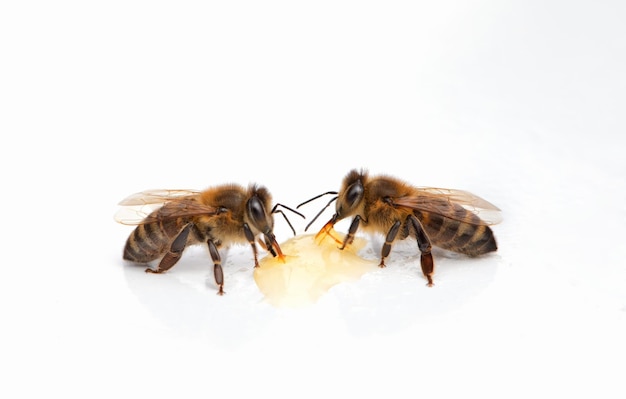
column 520, row 102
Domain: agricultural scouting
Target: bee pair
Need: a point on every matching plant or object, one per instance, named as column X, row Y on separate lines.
column 170, row 220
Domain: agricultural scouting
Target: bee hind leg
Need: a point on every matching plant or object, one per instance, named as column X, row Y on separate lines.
column 423, row 243
column 218, row 273
column 175, row 252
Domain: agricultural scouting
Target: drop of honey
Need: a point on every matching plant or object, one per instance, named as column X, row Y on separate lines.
column 310, row 269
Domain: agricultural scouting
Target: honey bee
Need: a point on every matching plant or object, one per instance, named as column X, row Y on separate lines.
column 454, row 220
column 170, row 220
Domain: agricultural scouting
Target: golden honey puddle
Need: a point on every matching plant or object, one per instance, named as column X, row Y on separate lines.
column 310, row 269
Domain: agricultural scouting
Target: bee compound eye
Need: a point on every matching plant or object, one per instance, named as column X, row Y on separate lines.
column 354, row 194
column 256, row 211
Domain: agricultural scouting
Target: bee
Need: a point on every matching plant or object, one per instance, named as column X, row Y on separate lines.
column 454, row 220
column 170, row 220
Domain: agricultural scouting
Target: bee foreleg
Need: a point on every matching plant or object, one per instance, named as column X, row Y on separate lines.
column 354, row 226
column 250, row 237
column 176, row 251
column 423, row 243
column 391, row 236
column 217, row 266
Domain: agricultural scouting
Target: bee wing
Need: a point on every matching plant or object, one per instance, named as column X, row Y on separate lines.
column 157, row 197
column 138, row 208
column 443, row 200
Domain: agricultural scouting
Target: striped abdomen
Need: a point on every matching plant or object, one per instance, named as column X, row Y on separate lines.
column 463, row 237
column 149, row 241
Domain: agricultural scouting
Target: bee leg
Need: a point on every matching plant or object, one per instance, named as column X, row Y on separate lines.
column 218, row 273
column 354, row 226
column 250, row 238
column 176, row 251
column 391, row 236
column 423, row 243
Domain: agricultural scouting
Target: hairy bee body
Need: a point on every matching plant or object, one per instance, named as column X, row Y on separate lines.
column 445, row 218
column 464, row 234
column 150, row 241
column 219, row 216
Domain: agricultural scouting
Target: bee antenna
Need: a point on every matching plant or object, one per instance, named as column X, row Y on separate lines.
column 274, row 210
column 318, row 196
column 323, row 209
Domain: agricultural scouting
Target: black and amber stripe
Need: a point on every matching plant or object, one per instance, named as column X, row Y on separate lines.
column 149, row 241
column 463, row 237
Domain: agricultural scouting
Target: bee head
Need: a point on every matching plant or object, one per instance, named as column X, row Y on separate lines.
column 351, row 194
column 257, row 216
column 260, row 220
column 349, row 198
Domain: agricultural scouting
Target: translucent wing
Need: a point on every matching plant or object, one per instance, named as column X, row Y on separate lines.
column 140, row 208
column 158, row 197
column 452, row 204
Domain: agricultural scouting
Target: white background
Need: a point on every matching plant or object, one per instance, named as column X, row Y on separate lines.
column 520, row 102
